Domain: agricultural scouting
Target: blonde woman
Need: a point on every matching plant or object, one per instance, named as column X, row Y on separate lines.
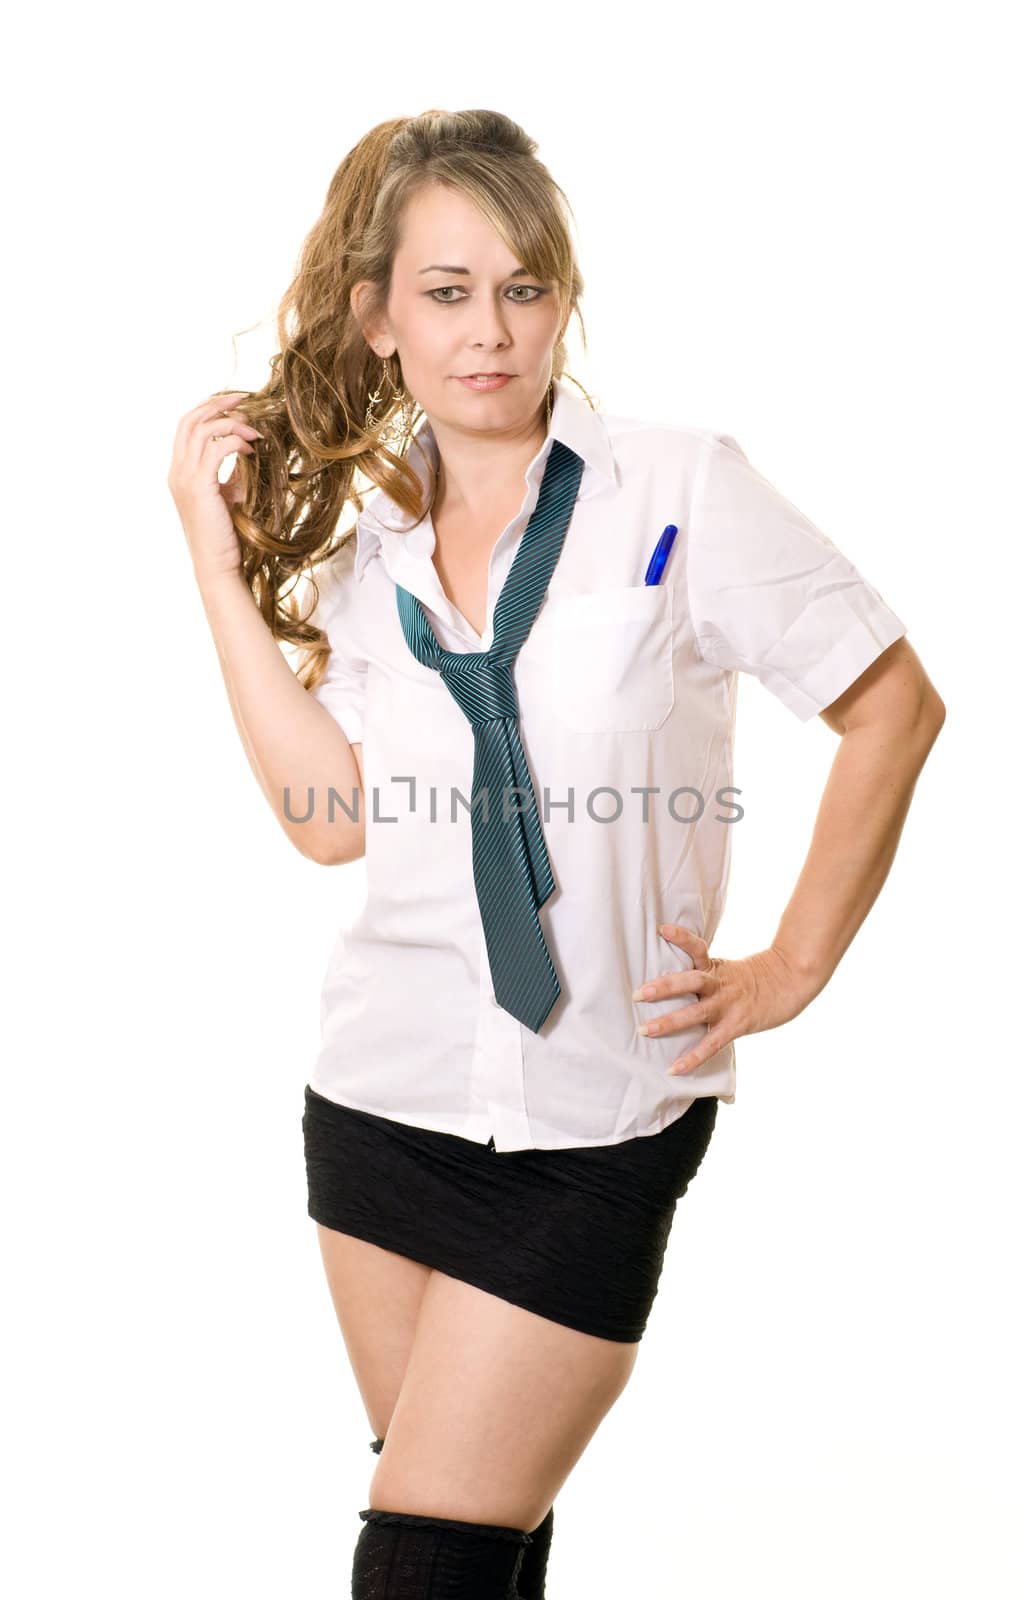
column 515, row 698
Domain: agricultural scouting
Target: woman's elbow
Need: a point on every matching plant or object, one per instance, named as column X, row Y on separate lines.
column 334, row 850
column 329, row 848
column 931, row 712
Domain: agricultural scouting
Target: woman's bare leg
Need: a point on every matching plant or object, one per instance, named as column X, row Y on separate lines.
column 376, row 1295
column 495, row 1408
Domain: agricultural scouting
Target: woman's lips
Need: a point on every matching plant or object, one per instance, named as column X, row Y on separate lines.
column 482, row 385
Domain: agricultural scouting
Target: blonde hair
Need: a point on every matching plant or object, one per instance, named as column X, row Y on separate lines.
column 290, row 494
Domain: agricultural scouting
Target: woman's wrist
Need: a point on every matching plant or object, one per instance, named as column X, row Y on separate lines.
column 215, row 587
column 805, row 974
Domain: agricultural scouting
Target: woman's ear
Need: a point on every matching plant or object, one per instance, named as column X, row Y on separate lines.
column 360, row 300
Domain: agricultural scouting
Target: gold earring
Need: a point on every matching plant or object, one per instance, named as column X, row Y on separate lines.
column 396, row 433
column 548, row 404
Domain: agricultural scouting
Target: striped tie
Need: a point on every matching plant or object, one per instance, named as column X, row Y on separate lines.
column 512, row 875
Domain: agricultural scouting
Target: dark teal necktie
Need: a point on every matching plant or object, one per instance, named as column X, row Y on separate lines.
column 512, row 875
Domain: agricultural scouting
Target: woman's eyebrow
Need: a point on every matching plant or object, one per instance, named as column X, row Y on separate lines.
column 521, row 272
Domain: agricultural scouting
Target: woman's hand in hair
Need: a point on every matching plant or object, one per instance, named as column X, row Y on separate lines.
column 204, row 438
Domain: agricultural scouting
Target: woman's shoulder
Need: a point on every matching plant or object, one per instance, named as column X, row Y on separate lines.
column 669, row 450
column 657, row 435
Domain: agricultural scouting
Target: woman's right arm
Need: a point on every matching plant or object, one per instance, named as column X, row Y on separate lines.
column 296, row 749
column 292, row 742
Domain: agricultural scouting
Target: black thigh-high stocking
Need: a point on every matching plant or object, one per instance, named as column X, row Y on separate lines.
column 402, row 1556
column 531, row 1575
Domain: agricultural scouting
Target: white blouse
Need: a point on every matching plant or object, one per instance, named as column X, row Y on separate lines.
column 627, row 696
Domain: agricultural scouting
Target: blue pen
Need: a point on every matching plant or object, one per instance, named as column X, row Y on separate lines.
column 656, row 566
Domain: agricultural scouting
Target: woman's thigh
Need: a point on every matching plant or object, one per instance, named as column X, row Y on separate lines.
column 496, row 1407
column 377, row 1296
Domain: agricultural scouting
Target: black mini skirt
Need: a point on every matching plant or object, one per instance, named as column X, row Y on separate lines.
column 576, row 1235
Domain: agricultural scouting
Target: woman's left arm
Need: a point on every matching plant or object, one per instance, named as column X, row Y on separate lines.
column 888, row 720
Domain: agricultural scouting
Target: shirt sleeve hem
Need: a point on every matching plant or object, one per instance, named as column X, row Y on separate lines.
column 348, row 716
column 831, row 676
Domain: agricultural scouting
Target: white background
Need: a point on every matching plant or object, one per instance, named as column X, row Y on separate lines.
column 794, row 225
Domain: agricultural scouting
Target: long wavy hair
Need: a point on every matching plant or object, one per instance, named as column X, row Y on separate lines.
column 287, row 498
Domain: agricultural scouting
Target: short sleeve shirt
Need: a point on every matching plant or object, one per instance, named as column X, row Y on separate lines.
column 626, row 695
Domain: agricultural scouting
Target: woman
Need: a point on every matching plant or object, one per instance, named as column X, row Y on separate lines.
column 502, row 1117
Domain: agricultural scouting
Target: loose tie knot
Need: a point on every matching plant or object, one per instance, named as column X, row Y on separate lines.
column 482, row 687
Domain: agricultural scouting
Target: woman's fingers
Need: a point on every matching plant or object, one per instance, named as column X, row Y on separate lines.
column 213, row 406
column 692, row 1016
column 702, row 981
column 709, row 1046
column 201, row 421
column 692, row 943
column 206, row 435
column 239, row 433
column 734, row 997
column 684, row 980
column 212, row 428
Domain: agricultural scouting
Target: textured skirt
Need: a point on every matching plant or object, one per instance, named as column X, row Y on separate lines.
column 575, row 1235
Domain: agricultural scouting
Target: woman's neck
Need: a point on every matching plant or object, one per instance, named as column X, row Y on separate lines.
column 472, row 480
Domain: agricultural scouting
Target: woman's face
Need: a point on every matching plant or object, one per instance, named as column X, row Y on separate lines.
column 461, row 303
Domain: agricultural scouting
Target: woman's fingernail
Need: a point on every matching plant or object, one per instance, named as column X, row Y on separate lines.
column 647, row 992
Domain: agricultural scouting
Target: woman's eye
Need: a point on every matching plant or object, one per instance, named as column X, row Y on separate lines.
column 449, row 288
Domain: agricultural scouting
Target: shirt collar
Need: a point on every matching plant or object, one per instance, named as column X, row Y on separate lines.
column 573, row 421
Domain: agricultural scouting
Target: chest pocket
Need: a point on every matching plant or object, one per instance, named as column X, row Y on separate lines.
column 612, row 656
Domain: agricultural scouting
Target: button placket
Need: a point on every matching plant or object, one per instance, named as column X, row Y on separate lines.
column 498, row 1076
